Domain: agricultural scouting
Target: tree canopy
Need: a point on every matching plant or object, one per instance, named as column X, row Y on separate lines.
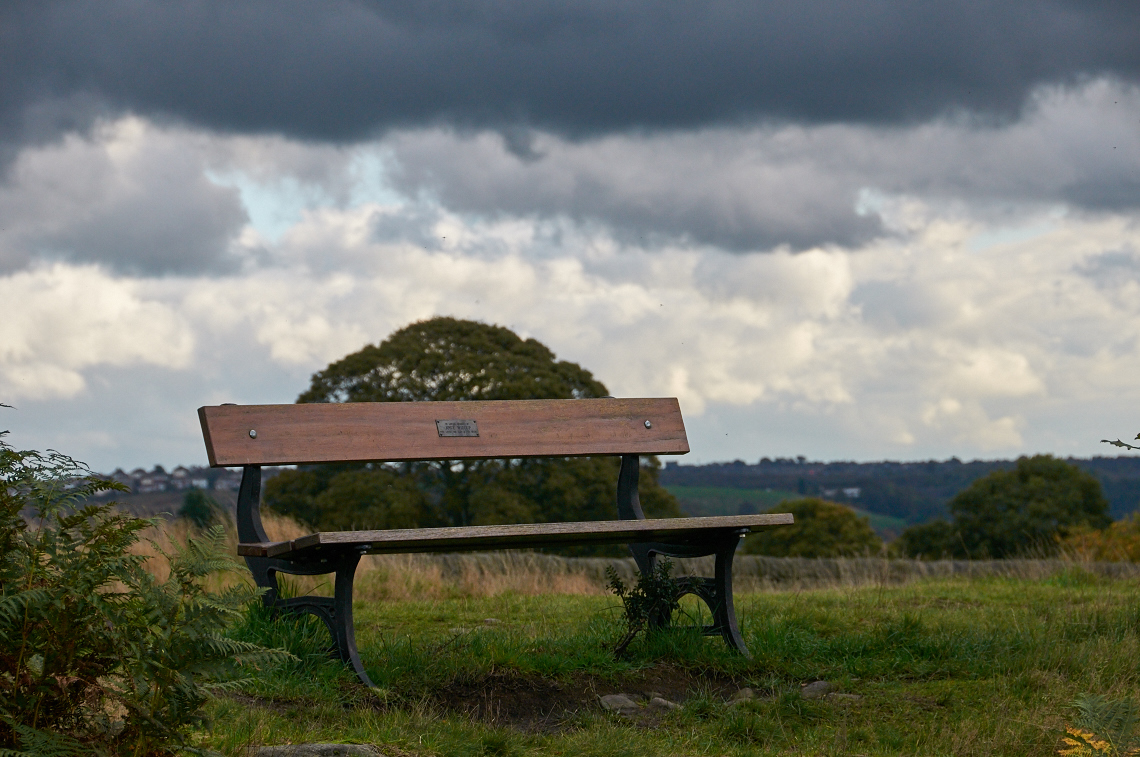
column 1007, row 513
column 822, row 529
column 452, row 359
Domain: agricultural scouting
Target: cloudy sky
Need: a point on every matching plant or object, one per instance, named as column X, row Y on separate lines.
column 848, row 230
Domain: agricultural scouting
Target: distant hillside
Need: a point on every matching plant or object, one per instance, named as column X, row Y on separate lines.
column 911, row 492
column 166, row 504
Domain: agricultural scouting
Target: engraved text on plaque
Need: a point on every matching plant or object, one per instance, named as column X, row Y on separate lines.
column 457, row 428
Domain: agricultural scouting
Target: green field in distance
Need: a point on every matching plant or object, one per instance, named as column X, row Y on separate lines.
column 723, row 500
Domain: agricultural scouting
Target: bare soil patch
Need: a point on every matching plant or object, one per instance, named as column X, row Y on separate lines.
column 537, row 704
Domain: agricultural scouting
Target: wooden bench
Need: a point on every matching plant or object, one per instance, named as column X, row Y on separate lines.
column 252, row 436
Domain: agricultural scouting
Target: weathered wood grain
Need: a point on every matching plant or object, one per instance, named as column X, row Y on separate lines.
column 528, row 535
column 399, row 431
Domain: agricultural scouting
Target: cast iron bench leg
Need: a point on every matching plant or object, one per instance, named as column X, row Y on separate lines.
column 716, row 592
column 345, row 632
column 724, row 612
column 335, row 611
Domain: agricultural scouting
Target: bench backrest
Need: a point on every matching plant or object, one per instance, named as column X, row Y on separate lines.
column 399, row 431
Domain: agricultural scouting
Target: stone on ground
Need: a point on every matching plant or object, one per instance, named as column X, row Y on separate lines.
column 742, row 695
column 816, row 690
column 620, row 703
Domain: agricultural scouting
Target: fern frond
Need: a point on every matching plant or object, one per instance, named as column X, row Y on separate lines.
column 1114, row 721
column 46, row 743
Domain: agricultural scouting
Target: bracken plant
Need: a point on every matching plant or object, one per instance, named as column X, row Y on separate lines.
column 97, row 656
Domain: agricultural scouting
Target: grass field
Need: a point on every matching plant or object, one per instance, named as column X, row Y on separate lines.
column 938, row 667
column 721, row 500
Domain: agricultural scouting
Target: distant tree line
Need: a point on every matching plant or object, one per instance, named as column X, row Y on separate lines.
column 914, row 491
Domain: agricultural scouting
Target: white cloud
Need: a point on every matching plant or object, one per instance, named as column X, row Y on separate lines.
column 60, row 320
column 968, row 423
column 298, row 317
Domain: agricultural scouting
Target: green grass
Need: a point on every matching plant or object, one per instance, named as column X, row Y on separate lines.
column 984, row 667
column 722, row 500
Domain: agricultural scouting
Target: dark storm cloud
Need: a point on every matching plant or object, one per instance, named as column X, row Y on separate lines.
column 340, row 70
column 750, row 189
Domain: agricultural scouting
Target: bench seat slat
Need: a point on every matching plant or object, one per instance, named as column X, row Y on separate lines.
column 404, row 431
column 527, row 535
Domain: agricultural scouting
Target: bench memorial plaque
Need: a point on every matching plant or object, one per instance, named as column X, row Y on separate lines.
column 457, row 428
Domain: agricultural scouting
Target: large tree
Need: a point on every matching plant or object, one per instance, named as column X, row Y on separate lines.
column 452, row 359
column 1012, row 512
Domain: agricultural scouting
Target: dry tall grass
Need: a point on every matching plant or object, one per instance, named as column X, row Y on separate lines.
column 158, row 542
column 416, row 576
column 423, row 576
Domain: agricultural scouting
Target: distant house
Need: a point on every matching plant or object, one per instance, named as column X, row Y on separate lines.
column 228, row 481
column 183, row 478
column 180, row 478
column 122, row 477
column 156, row 480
